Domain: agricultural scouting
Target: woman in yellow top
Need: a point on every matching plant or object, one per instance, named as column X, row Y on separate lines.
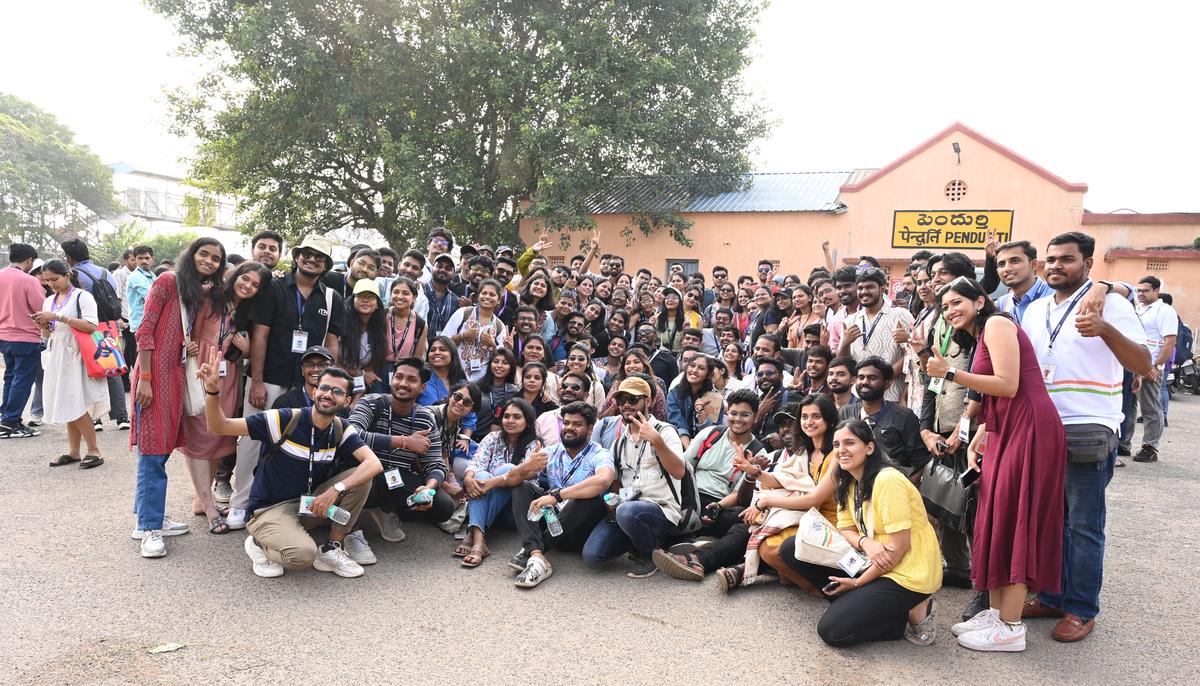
column 881, row 515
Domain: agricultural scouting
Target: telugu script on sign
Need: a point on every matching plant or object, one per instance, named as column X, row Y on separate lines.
column 950, row 229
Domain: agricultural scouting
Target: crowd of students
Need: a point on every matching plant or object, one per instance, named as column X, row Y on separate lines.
column 764, row 429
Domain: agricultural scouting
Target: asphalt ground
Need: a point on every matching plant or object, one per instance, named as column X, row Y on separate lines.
column 80, row 606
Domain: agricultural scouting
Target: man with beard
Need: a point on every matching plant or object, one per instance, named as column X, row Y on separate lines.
column 266, row 247
column 1016, row 265
column 1161, row 324
column 566, row 481
column 479, row 267
column 443, row 302
column 816, row 371
column 772, row 393
column 721, row 319
column 662, row 361
column 845, row 283
column 896, row 427
column 869, row 332
column 295, row 313
column 574, row 387
column 715, row 455
column 768, row 345
column 554, row 329
column 524, row 326
column 650, row 468
column 363, row 264
column 441, row 242
column 839, row 379
column 299, row 480
column 408, row 442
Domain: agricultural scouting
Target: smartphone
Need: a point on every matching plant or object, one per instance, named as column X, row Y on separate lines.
column 942, row 446
column 830, row 587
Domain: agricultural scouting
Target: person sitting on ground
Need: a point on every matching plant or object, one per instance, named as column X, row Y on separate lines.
column 574, row 387
column 302, row 450
column 569, row 478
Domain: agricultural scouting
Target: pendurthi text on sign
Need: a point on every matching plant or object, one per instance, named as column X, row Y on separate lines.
column 950, row 229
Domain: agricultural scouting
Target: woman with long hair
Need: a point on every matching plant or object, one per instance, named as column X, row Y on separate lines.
column 537, row 291
column 533, row 387
column 497, row 454
column 671, row 321
column 610, row 364
column 734, row 360
column 635, row 361
column 497, row 386
column 579, row 359
column 743, row 312
column 456, row 419
column 593, row 316
column 221, row 330
column 477, row 330
column 767, row 314
column 1017, row 545
column 881, row 515
column 646, row 310
column 586, row 288
column 69, row 395
column 693, row 300
column 724, row 296
column 447, row 371
column 804, row 313
column 364, row 346
column 406, row 330
column 692, row 389
column 159, row 426
column 618, row 324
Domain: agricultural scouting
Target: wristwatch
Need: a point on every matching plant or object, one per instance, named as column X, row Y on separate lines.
column 950, row 373
column 1108, row 285
column 340, row 488
column 556, row 494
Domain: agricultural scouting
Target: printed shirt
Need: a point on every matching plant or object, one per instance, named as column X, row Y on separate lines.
column 641, row 471
column 475, row 355
column 880, row 341
column 1159, row 320
column 494, row 452
column 562, row 470
column 1086, row 384
column 284, row 476
column 1008, row 303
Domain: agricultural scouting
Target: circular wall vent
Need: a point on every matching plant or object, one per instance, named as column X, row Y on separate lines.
column 956, row 190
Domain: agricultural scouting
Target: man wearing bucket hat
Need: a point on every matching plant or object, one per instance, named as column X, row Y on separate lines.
column 294, row 314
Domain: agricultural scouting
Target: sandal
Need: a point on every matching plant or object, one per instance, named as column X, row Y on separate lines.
column 685, row 567
column 463, row 549
column 476, row 556
column 731, row 577
column 62, row 460
column 90, row 461
column 217, row 525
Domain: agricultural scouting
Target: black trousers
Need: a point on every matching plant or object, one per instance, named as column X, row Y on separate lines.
column 130, row 352
column 726, row 551
column 877, row 611
column 578, row 518
column 382, row 496
column 727, row 518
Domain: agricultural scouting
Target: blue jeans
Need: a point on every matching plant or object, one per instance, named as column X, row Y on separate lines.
column 640, row 527
column 482, row 512
column 36, row 408
column 22, row 362
column 1083, row 539
column 150, row 503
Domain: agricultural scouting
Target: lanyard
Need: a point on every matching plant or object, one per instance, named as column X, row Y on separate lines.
column 408, row 327
column 1074, row 301
column 412, row 415
column 312, row 449
column 55, row 308
column 301, row 305
column 947, row 335
column 869, row 332
column 858, row 508
column 574, row 465
column 226, row 329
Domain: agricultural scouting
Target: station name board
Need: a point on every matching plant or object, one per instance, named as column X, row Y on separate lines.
column 950, row 229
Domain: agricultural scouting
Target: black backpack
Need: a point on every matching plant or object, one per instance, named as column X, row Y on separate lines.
column 688, row 496
column 108, row 305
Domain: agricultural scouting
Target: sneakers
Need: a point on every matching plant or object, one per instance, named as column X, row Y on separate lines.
column 388, row 524
column 998, row 637
column 36, row 421
column 236, row 519
column 263, row 566
column 98, row 425
column 222, row 492
column 924, row 633
column 1122, row 451
column 333, row 558
column 642, row 569
column 152, row 545
column 358, row 550
column 1148, row 453
column 169, row 528
column 980, row 621
column 123, row 425
column 18, row 431
column 518, row 561
column 536, row 571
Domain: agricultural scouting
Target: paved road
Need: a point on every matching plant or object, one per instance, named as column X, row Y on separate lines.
column 81, row 606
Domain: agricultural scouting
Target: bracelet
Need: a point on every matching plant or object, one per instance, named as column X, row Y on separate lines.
column 860, row 540
column 146, row 376
column 208, row 392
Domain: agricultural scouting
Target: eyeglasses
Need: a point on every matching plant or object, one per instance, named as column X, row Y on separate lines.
column 334, row 390
column 318, row 364
column 572, row 387
column 464, row 400
column 626, row 399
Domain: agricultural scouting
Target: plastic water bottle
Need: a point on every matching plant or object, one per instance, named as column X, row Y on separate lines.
column 612, row 500
column 552, row 524
column 421, row 497
column 338, row 515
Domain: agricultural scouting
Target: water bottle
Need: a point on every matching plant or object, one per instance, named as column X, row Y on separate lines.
column 421, row 497
column 338, row 515
column 552, row 523
column 612, row 500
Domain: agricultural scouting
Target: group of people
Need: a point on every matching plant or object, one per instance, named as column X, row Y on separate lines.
column 764, row 429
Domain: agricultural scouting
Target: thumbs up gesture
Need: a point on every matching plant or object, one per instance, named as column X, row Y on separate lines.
column 937, row 366
column 900, row 335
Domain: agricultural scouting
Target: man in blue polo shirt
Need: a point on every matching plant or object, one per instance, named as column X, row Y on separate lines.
column 1016, row 264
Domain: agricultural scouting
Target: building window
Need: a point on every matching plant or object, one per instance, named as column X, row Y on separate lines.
column 689, row 266
column 956, row 190
column 556, row 260
column 1157, row 265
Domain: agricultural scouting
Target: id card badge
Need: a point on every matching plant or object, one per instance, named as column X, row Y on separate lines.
column 392, row 477
column 360, row 384
column 935, row 385
column 626, row 493
column 1047, row 373
column 299, row 341
column 964, row 430
column 852, row 563
column 222, row 368
column 306, row 502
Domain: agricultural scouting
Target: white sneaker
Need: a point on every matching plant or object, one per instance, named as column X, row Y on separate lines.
column 358, row 550
column 170, row 527
column 536, row 571
column 263, row 566
column 388, row 524
column 982, row 620
column 337, row 561
column 152, row 545
column 236, row 519
column 1000, row 637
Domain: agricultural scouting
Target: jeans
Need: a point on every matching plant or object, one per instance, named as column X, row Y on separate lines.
column 1083, row 539
column 482, row 512
column 117, row 411
column 36, row 409
column 150, row 503
column 578, row 518
column 640, row 527
column 22, row 363
column 1152, row 417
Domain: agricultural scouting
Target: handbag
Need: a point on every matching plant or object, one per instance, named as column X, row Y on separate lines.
column 101, row 349
column 193, row 388
column 942, row 488
column 819, row 542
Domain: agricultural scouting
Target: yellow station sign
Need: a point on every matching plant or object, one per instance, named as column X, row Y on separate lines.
column 950, row 229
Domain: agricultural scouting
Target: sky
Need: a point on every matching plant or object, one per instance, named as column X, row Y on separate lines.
column 1098, row 93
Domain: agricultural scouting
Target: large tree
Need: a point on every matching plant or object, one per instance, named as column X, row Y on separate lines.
column 397, row 115
column 50, row 186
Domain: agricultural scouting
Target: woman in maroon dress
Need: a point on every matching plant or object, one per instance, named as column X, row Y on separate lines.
column 1017, row 545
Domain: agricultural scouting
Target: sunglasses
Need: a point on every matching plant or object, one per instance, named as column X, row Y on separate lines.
column 311, row 255
column 572, row 387
column 334, row 390
column 626, row 399
column 465, row 400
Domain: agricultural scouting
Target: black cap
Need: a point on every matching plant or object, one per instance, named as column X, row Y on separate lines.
column 317, row 350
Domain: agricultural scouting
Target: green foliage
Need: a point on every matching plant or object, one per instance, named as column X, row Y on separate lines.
column 50, row 186
column 402, row 115
column 199, row 211
column 108, row 247
column 167, row 246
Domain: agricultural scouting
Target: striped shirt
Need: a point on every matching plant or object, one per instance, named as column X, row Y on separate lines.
column 286, row 474
column 373, row 416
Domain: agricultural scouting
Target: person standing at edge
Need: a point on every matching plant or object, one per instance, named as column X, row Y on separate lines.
column 1161, row 325
column 295, row 313
column 20, row 340
column 1083, row 367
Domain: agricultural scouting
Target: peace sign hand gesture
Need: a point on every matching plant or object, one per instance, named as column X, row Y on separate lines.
column 210, row 372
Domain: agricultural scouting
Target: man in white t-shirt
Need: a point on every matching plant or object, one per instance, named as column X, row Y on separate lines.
column 1161, row 324
column 1083, row 354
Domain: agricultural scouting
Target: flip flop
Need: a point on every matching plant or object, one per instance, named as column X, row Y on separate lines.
column 90, row 461
column 462, row 550
column 62, row 460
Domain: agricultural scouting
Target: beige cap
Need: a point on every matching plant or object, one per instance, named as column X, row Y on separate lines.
column 634, row 386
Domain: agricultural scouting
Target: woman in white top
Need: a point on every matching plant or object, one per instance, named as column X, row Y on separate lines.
column 477, row 331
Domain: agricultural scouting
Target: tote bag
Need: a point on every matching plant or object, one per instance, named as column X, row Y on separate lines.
column 193, row 388
column 101, row 351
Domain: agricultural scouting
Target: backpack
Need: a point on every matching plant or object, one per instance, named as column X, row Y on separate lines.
column 339, row 431
column 688, row 495
column 755, row 446
column 1183, row 344
column 108, row 305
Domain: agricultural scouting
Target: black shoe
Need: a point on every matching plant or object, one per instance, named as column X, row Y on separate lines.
column 978, row 604
column 1120, row 463
column 1123, row 451
column 642, row 569
column 517, row 562
column 957, row 581
column 1146, row 454
column 1139, row 420
column 1165, row 422
column 20, row 432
